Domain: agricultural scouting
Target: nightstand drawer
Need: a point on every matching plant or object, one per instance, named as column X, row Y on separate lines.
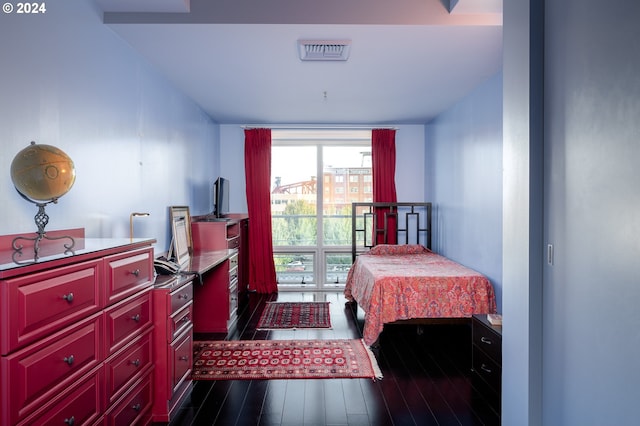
column 487, row 340
column 486, row 368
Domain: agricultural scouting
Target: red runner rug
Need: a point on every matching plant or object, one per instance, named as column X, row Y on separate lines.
column 283, row 359
column 292, row 315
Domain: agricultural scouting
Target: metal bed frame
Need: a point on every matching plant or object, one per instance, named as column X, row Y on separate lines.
column 410, row 223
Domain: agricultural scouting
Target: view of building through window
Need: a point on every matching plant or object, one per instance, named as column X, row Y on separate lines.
column 314, row 181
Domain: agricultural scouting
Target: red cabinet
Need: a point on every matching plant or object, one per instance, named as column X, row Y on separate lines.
column 216, row 300
column 173, row 340
column 231, row 234
column 75, row 334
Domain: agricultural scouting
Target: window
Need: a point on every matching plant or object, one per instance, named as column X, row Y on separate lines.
column 311, row 215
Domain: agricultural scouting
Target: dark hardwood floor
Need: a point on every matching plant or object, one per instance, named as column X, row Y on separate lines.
column 427, row 378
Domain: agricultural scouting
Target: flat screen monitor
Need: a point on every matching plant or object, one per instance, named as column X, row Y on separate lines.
column 221, row 197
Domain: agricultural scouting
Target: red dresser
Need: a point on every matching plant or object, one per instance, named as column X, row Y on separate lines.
column 76, row 334
column 173, row 342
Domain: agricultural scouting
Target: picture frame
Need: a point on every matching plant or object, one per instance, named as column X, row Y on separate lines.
column 181, row 243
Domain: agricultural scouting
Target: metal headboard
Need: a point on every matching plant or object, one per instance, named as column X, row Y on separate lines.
column 376, row 223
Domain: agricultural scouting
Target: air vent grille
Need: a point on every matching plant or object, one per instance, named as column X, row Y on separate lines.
column 324, row 50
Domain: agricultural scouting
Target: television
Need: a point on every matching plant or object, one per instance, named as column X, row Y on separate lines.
column 221, row 197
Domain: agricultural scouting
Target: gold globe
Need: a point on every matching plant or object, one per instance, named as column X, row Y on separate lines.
column 42, row 172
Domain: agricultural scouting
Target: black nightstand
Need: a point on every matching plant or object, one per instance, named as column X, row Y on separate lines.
column 487, row 358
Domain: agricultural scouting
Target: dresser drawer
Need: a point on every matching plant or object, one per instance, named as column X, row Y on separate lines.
column 132, row 361
column 127, row 274
column 233, row 261
column 79, row 405
column 233, row 243
column 487, row 340
column 181, row 359
column 127, row 319
column 134, row 408
column 181, row 296
column 36, row 305
column 37, row 373
column 233, row 300
column 179, row 321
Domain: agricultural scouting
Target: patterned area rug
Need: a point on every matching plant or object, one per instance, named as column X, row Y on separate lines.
column 283, row 359
column 292, row 315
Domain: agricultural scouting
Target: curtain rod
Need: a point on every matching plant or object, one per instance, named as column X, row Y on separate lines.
column 315, row 127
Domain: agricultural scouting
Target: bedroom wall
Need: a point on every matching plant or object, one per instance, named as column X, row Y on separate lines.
column 409, row 169
column 463, row 163
column 591, row 318
column 137, row 143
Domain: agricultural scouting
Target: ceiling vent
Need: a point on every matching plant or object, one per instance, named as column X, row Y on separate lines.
column 324, row 50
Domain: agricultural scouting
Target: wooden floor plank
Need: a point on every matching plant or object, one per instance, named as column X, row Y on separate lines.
column 427, row 378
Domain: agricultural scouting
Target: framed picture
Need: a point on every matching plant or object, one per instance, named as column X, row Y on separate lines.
column 181, row 245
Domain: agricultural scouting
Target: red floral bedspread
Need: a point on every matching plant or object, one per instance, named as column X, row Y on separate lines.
column 403, row 282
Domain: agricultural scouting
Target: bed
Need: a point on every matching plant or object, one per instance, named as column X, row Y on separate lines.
column 396, row 277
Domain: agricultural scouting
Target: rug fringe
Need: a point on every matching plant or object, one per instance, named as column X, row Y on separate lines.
column 374, row 362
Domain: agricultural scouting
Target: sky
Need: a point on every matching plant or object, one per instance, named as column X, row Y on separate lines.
column 298, row 163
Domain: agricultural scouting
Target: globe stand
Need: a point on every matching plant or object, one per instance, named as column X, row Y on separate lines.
column 41, row 219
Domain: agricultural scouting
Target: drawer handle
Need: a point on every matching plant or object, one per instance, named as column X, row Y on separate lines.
column 485, row 340
column 68, row 297
column 136, row 407
column 183, row 296
column 183, row 358
column 136, row 317
column 68, row 359
column 70, row 421
column 136, row 272
column 136, row 362
column 185, row 319
column 486, row 369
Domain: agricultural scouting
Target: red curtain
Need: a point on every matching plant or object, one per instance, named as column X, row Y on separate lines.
column 383, row 158
column 257, row 166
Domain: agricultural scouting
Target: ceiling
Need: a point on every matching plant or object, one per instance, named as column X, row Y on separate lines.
column 238, row 59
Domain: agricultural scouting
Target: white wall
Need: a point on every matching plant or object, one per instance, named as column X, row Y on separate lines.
column 137, row 143
column 464, row 174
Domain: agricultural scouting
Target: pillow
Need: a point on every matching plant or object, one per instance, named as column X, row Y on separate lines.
column 393, row 249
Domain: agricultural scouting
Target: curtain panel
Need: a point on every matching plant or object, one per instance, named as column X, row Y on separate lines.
column 383, row 159
column 257, row 165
